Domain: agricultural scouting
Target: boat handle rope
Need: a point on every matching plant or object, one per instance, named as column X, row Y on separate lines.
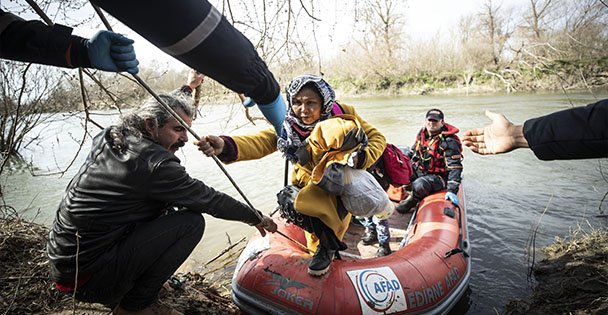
column 458, row 249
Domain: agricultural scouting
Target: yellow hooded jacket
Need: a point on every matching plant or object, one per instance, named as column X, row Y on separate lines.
column 324, row 144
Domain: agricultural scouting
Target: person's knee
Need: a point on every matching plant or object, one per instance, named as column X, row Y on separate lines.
column 420, row 188
column 194, row 221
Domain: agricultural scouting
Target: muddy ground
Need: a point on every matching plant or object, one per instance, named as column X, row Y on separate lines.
column 573, row 279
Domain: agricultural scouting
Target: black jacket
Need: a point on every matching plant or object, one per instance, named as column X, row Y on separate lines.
column 34, row 41
column 197, row 34
column 576, row 133
column 114, row 191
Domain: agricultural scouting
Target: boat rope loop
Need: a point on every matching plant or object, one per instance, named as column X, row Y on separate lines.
column 461, row 243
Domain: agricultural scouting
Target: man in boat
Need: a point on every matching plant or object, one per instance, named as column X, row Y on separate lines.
column 34, row 41
column 436, row 160
column 574, row 133
column 132, row 215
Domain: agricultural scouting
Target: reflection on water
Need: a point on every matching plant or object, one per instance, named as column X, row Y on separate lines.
column 506, row 195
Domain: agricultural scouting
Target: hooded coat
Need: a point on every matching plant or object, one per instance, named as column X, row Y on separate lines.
column 324, row 147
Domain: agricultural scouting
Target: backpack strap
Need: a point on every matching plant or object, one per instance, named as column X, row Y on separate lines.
column 336, row 109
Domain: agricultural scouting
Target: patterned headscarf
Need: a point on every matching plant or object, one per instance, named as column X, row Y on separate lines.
column 293, row 128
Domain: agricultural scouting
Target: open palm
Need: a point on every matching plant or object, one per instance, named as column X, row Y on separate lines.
column 492, row 139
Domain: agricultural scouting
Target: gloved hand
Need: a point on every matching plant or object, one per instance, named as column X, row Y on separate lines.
column 110, row 51
column 275, row 113
column 452, row 197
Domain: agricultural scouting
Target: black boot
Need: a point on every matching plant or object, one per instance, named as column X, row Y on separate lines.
column 319, row 264
column 406, row 205
column 370, row 237
column 383, row 250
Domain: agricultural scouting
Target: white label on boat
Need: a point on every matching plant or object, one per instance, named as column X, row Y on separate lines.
column 379, row 290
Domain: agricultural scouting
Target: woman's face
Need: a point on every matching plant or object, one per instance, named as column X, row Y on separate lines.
column 307, row 104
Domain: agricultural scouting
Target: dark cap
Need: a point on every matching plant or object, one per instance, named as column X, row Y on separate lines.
column 434, row 114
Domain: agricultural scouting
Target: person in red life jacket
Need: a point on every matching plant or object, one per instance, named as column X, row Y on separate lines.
column 437, row 161
column 585, row 135
column 34, row 41
column 132, row 214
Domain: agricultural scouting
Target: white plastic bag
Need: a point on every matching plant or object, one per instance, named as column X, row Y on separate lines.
column 363, row 196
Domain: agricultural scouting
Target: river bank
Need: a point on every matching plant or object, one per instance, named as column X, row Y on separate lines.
column 571, row 279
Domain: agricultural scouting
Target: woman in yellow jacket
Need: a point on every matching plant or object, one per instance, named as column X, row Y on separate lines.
column 319, row 136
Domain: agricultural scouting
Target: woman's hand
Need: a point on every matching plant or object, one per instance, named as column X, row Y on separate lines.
column 210, row 145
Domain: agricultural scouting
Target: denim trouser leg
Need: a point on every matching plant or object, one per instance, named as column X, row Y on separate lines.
column 138, row 266
column 382, row 228
column 369, row 224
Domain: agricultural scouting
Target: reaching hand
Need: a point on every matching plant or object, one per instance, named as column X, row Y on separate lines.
column 267, row 224
column 499, row 137
column 195, row 79
column 109, row 51
column 210, row 145
column 452, row 197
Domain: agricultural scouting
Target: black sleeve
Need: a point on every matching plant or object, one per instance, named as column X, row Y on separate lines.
column 453, row 162
column 34, row 41
column 202, row 39
column 576, row 133
column 171, row 184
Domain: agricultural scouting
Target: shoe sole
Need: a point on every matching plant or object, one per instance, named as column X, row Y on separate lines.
column 318, row 273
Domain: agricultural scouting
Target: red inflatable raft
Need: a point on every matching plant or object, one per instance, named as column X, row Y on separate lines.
column 428, row 273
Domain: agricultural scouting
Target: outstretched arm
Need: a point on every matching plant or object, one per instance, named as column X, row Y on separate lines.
column 501, row 136
column 34, row 41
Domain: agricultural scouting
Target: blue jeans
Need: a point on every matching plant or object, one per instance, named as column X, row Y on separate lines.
column 137, row 267
column 381, row 227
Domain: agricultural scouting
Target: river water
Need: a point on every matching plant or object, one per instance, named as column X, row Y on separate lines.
column 506, row 196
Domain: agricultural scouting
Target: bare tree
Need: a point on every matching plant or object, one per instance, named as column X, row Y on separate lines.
column 536, row 19
column 495, row 25
column 24, row 92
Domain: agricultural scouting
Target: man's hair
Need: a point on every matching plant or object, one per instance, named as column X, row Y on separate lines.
column 133, row 124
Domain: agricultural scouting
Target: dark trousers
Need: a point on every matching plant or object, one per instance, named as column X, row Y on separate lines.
column 138, row 266
column 425, row 185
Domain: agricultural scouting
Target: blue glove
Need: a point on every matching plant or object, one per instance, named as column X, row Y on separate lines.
column 109, row 51
column 452, row 197
column 275, row 113
column 249, row 102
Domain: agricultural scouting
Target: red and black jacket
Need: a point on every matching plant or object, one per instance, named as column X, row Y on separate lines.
column 439, row 154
